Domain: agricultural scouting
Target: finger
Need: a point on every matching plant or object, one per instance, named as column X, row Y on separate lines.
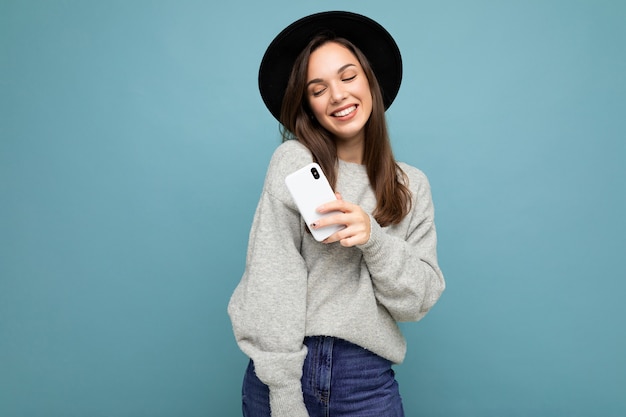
column 337, row 205
column 329, row 220
column 352, row 240
column 338, row 236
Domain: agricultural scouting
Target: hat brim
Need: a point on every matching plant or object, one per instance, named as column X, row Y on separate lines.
column 369, row 36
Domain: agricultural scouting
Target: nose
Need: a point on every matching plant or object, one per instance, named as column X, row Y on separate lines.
column 337, row 94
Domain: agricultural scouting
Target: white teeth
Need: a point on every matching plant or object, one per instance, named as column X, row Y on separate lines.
column 345, row 112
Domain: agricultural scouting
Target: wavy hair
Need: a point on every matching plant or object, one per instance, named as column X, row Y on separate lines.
column 393, row 197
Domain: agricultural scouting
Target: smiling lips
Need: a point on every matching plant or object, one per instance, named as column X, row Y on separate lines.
column 345, row 112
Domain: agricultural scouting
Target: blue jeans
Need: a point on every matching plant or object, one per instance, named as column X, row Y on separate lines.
column 339, row 379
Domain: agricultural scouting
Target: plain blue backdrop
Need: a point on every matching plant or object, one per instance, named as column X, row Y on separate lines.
column 133, row 145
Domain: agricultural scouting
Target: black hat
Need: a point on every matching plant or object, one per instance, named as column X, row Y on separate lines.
column 370, row 37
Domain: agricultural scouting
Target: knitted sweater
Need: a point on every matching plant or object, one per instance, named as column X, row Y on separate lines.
column 294, row 286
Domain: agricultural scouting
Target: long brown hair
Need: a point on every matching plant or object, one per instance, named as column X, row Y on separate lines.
column 393, row 197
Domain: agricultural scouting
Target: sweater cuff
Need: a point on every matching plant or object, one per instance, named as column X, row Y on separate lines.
column 287, row 402
column 376, row 234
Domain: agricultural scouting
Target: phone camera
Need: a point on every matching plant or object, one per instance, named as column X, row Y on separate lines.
column 316, row 174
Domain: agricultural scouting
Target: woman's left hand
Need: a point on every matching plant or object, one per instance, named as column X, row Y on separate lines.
column 357, row 222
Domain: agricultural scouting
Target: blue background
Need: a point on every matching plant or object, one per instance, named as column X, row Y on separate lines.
column 133, row 145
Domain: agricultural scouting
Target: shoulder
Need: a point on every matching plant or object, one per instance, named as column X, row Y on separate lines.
column 291, row 153
column 288, row 157
column 417, row 180
column 420, row 189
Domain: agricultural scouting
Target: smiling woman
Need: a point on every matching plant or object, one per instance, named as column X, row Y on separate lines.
column 319, row 319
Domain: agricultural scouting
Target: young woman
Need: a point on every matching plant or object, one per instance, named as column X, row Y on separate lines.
column 319, row 319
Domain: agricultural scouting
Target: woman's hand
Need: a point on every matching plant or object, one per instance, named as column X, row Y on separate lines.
column 357, row 222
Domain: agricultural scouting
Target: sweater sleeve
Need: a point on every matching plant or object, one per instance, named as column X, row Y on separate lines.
column 268, row 307
column 405, row 273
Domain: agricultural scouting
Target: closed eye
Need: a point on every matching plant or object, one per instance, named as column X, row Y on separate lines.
column 318, row 93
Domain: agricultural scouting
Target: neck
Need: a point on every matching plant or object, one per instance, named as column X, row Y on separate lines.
column 350, row 151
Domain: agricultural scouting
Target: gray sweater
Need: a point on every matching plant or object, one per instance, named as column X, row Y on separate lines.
column 294, row 286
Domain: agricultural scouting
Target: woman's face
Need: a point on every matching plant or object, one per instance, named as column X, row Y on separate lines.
column 338, row 91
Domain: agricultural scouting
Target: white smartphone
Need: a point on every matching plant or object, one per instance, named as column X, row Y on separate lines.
column 310, row 189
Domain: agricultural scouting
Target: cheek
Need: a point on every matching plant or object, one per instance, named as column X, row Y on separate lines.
column 370, row 100
column 317, row 108
column 369, row 105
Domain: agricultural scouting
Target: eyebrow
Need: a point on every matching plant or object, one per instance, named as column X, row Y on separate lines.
column 339, row 71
